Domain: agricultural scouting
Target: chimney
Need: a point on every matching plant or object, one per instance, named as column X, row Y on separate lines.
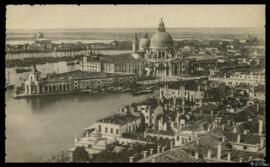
column 262, row 140
column 238, row 138
column 257, row 107
column 145, row 154
column 219, row 150
column 233, row 123
column 197, row 141
column 229, row 156
column 131, row 159
column 171, row 146
column 240, row 159
column 163, row 149
column 223, row 139
column 209, row 154
column 228, row 122
column 158, row 149
column 151, row 151
column 196, row 155
column 153, row 159
column 234, row 129
column 219, row 119
column 260, row 127
column 223, row 127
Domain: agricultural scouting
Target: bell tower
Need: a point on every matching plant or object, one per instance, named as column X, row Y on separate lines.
column 135, row 43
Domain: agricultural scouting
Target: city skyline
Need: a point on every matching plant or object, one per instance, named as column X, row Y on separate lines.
column 143, row 16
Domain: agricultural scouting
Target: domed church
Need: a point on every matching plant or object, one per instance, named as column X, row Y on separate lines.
column 157, row 53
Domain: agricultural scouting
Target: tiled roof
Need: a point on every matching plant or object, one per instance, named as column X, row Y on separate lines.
column 78, row 75
column 259, row 88
column 176, row 154
column 119, row 119
column 237, row 154
column 118, row 59
column 189, row 84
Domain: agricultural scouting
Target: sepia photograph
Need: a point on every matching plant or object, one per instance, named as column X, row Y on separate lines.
column 135, row 84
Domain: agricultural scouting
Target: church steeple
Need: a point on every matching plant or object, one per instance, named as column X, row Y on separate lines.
column 161, row 27
column 135, row 43
column 145, row 35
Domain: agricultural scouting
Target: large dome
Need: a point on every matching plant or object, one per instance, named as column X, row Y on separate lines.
column 161, row 40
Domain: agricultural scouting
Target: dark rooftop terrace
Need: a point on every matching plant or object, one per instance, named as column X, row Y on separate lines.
column 119, row 119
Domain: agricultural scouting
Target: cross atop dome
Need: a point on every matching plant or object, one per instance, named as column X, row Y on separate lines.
column 161, row 27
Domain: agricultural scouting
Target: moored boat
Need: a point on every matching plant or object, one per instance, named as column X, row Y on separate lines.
column 22, row 70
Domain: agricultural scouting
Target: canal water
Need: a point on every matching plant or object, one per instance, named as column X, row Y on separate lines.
column 40, row 127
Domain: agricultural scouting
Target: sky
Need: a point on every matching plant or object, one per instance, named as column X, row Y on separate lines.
column 133, row 16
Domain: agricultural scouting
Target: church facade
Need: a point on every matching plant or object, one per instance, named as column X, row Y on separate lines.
column 158, row 54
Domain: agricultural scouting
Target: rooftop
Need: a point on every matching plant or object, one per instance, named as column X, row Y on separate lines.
column 176, row 154
column 117, row 58
column 260, row 88
column 120, row 119
column 189, row 84
column 202, row 58
column 80, row 75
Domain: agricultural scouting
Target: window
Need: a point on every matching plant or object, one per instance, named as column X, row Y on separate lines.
column 99, row 128
column 117, row 131
column 177, row 138
column 244, row 147
column 111, row 130
column 106, row 130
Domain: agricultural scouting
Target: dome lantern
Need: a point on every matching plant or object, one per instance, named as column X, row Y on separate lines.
column 161, row 27
column 161, row 39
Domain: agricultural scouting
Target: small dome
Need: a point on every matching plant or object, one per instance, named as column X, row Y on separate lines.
column 144, row 43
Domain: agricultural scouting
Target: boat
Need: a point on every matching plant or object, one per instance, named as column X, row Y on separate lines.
column 142, row 91
column 71, row 63
column 124, row 90
column 89, row 91
column 9, row 85
column 22, row 70
column 19, row 90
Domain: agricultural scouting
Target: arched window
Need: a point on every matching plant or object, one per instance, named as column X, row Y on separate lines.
column 50, row 88
column 54, row 88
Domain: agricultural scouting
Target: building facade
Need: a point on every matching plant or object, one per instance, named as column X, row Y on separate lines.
column 90, row 66
column 187, row 90
column 250, row 79
column 74, row 81
column 157, row 53
column 114, row 126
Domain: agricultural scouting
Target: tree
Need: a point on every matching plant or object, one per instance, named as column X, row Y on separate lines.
column 80, row 155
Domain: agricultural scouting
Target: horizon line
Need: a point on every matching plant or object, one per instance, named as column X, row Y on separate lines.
column 121, row 28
